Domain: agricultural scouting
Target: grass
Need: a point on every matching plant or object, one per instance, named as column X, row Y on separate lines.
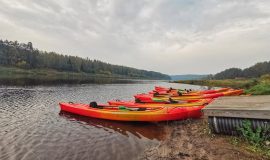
column 241, row 142
column 255, row 140
column 254, row 86
column 234, row 83
column 261, row 88
column 10, row 72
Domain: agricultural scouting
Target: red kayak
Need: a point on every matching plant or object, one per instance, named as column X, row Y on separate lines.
column 170, row 101
column 164, row 104
column 148, row 98
column 120, row 113
column 176, row 92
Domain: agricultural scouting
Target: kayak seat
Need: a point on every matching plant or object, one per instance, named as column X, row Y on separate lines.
column 141, row 109
column 137, row 100
column 172, row 101
column 95, row 105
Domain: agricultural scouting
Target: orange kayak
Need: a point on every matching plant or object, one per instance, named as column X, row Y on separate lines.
column 179, row 104
column 162, row 91
column 148, row 98
column 119, row 114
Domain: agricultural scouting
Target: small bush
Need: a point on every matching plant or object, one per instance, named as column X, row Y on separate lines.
column 255, row 137
column 259, row 89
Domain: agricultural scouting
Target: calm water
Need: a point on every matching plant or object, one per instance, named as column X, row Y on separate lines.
column 32, row 126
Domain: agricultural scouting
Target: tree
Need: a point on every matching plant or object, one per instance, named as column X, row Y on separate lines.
column 30, row 46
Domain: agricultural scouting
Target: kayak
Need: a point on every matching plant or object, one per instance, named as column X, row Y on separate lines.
column 224, row 91
column 176, row 92
column 121, row 113
column 148, row 98
column 120, row 102
column 235, row 92
column 179, row 104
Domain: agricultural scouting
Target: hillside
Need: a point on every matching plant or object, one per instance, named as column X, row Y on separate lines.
column 254, row 71
column 25, row 56
column 187, row 77
column 255, row 79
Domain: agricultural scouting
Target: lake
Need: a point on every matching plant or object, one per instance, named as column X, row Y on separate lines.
column 32, row 126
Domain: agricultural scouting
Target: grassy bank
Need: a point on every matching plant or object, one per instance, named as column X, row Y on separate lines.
column 13, row 72
column 18, row 76
column 255, row 86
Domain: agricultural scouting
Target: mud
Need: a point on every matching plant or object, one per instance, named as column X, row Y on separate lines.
column 191, row 139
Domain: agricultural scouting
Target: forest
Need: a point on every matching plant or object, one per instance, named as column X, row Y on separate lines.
column 25, row 56
column 254, row 71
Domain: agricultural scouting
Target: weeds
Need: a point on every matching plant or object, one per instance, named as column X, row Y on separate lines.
column 256, row 138
column 259, row 89
column 253, row 136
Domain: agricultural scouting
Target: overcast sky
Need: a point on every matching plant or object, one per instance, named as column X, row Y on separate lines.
column 172, row 36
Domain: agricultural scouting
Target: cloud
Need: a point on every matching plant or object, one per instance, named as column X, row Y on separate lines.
column 172, row 37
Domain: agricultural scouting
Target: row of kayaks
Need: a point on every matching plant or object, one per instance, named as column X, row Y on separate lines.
column 161, row 104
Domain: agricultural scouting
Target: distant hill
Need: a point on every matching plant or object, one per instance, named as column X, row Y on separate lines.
column 187, row 77
column 25, row 56
column 254, row 71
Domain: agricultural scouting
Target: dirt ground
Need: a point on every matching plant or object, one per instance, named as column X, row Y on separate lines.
column 191, row 139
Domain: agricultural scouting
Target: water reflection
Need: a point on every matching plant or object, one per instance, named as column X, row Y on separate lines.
column 31, row 128
column 152, row 131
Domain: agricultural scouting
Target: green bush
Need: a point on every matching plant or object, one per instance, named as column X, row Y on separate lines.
column 259, row 89
column 255, row 137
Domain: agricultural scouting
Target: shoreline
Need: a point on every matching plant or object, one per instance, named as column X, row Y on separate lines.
column 252, row 86
column 191, row 139
column 18, row 76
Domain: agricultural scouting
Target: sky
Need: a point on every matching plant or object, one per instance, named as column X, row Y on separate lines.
column 168, row 36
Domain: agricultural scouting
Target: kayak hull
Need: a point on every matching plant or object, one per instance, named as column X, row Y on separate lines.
column 160, row 114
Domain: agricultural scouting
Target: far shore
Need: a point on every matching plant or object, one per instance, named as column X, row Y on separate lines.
column 19, row 76
column 253, row 86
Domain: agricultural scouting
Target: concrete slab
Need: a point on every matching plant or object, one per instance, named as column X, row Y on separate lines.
column 240, row 107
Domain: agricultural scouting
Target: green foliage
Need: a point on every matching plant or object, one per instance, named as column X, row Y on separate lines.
column 14, row 54
column 255, row 137
column 262, row 87
column 235, row 141
column 234, row 83
column 259, row 89
column 22, row 64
